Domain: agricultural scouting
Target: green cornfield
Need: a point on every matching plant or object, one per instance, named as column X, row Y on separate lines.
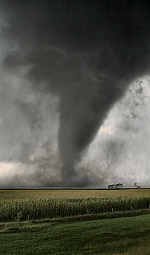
column 40, row 204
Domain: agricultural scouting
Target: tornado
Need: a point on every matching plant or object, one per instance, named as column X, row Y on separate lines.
column 84, row 52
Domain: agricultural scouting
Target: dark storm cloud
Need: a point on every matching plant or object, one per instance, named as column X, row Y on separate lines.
column 84, row 52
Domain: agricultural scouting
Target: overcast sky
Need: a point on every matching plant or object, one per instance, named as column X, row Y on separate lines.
column 74, row 93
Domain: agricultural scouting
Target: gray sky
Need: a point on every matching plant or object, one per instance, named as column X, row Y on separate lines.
column 74, row 93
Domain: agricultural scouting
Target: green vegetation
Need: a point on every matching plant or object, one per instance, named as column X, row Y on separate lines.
column 50, row 230
column 18, row 205
column 125, row 236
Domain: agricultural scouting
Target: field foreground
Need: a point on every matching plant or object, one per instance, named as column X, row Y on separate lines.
column 21, row 204
column 126, row 236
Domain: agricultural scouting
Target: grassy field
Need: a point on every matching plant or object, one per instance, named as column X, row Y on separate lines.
column 49, row 231
column 18, row 205
column 125, row 236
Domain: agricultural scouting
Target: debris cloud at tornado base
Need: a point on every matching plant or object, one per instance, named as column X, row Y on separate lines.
column 83, row 55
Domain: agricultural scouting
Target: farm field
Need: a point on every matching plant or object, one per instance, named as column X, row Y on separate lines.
column 23, row 204
column 72, row 193
column 125, row 236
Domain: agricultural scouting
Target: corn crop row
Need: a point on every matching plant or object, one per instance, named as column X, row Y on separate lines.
column 40, row 207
